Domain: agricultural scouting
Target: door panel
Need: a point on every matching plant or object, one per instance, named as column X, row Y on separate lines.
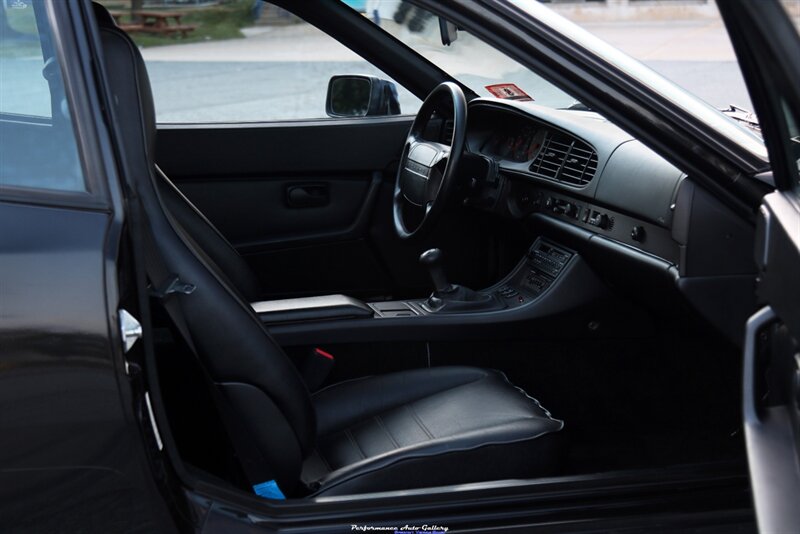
column 297, row 249
column 295, row 199
column 284, row 147
column 241, row 177
column 256, row 214
column 772, row 368
column 767, row 45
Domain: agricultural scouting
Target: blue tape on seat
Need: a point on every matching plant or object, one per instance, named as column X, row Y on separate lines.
column 269, row 490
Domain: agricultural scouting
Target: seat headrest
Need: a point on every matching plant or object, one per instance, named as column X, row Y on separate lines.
column 103, row 17
column 130, row 90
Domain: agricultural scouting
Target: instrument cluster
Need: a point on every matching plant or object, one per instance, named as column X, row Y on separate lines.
column 519, row 144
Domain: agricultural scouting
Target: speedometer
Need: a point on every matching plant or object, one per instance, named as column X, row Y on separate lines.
column 518, row 144
column 521, row 143
column 535, row 144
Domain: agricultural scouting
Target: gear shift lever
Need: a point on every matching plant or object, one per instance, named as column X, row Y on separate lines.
column 450, row 298
column 434, row 261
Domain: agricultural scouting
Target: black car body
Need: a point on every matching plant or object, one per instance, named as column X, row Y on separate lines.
column 617, row 291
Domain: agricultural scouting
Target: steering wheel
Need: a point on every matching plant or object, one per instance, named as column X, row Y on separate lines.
column 427, row 171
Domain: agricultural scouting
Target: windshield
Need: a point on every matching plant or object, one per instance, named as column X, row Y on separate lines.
column 489, row 72
column 657, row 83
column 474, row 63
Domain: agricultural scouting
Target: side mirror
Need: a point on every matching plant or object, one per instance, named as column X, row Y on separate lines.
column 355, row 95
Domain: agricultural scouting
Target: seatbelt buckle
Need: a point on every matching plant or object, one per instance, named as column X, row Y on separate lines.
column 317, row 366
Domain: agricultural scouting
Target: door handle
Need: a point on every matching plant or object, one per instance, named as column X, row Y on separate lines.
column 307, row 195
column 755, row 324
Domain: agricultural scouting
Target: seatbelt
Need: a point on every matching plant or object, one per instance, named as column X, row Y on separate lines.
column 254, row 465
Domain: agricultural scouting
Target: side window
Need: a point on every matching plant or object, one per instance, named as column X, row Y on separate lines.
column 37, row 145
column 241, row 61
column 792, row 9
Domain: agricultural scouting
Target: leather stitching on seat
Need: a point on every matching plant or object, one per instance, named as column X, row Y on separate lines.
column 386, row 430
column 421, row 449
column 328, row 484
column 384, row 409
column 352, row 439
column 342, row 383
column 410, row 408
column 352, row 380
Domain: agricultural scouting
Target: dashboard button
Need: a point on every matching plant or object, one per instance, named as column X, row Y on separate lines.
column 638, row 234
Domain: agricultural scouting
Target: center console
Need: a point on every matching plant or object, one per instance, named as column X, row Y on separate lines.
column 534, row 275
column 548, row 280
column 542, row 266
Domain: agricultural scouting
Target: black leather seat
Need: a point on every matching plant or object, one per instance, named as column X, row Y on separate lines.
column 417, row 428
column 209, row 239
column 444, row 425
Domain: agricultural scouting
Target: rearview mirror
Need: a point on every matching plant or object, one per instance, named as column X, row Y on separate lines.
column 355, row 95
column 448, row 31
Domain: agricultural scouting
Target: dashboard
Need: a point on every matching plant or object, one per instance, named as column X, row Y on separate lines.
column 577, row 168
column 641, row 224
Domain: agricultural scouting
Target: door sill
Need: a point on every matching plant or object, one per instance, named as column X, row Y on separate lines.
column 704, row 495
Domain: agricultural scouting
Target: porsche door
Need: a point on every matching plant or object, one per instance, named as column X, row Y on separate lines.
column 767, row 45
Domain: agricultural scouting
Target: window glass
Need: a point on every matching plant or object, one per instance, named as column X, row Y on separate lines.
column 679, row 40
column 477, row 65
column 792, row 8
column 239, row 61
column 686, row 42
column 680, row 49
column 37, row 147
column 24, row 90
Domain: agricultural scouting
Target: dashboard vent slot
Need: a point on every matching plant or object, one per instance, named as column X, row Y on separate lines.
column 565, row 159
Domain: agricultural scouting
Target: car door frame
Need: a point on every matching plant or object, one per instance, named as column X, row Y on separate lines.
column 764, row 39
column 76, row 354
column 675, row 496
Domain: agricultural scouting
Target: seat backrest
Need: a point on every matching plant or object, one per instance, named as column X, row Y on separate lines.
column 208, row 238
column 248, row 367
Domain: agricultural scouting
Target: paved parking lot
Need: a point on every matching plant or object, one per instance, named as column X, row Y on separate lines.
column 697, row 55
column 282, row 72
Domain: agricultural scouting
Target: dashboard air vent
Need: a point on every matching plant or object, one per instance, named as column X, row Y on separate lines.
column 565, row 159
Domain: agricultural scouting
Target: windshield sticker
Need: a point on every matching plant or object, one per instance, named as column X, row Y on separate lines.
column 509, row 91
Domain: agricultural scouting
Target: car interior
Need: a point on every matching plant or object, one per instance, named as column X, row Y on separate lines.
column 493, row 291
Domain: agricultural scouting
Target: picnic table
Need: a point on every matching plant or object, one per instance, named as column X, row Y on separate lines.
column 157, row 22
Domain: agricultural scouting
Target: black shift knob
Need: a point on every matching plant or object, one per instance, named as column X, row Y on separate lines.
column 434, row 261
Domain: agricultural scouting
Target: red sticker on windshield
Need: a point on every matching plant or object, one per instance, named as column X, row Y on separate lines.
column 509, row 91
